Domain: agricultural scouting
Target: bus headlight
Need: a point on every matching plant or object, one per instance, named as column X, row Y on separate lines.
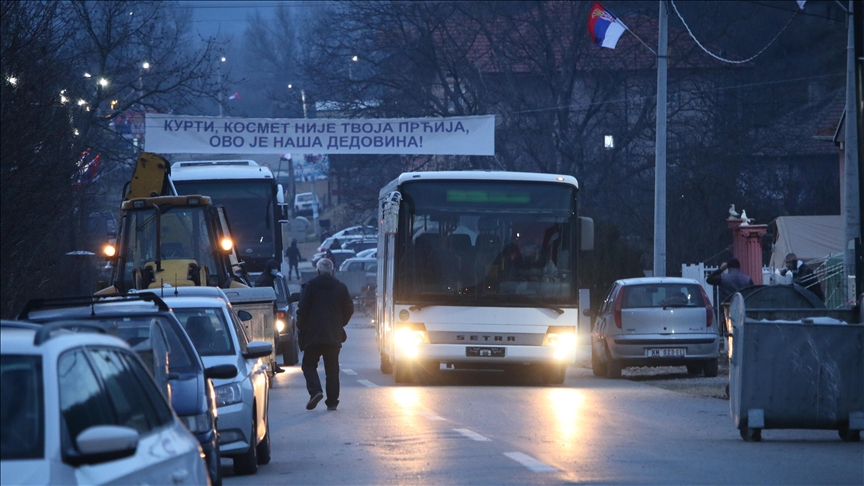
column 563, row 340
column 407, row 340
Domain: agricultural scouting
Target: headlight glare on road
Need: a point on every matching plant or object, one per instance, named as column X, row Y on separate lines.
column 228, row 394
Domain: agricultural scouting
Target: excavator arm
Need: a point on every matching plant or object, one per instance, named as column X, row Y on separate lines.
column 152, row 177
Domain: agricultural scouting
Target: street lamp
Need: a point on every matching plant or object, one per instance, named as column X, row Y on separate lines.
column 219, row 69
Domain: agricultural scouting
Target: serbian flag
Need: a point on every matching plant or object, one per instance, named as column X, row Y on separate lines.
column 605, row 28
column 235, row 96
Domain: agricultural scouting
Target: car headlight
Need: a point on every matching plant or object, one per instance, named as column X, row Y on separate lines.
column 197, row 424
column 228, row 394
column 280, row 325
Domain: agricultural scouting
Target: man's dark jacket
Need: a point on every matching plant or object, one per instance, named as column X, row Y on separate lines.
column 324, row 309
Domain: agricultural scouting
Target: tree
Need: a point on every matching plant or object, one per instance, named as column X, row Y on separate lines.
column 63, row 157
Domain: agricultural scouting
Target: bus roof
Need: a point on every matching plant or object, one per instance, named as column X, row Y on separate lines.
column 486, row 175
column 204, row 170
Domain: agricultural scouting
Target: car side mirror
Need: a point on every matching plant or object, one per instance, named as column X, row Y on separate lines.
column 244, row 315
column 224, row 371
column 258, row 349
column 103, row 443
column 295, row 297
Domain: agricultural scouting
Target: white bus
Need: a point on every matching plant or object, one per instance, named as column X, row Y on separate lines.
column 477, row 270
column 253, row 201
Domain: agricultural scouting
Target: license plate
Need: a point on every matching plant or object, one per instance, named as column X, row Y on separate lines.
column 665, row 352
column 484, row 352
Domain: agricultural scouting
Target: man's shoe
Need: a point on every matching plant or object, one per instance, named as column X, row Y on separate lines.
column 313, row 402
column 331, row 407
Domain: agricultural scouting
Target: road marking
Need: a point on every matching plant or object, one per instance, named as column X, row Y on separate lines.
column 367, row 383
column 430, row 416
column 348, row 371
column 529, row 462
column 473, row 435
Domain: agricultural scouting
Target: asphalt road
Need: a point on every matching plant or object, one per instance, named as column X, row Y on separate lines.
column 483, row 428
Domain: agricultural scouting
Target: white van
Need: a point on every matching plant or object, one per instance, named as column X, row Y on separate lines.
column 303, row 203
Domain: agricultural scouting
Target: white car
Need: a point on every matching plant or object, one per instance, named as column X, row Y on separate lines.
column 80, row 408
column 370, row 253
column 242, row 402
column 304, row 203
column 357, row 231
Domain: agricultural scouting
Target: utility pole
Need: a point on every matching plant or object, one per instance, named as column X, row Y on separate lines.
column 851, row 206
column 660, row 148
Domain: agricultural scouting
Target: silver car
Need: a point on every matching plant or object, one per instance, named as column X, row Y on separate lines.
column 654, row 321
column 242, row 402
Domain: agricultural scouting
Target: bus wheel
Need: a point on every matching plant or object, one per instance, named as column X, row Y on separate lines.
column 386, row 365
column 403, row 372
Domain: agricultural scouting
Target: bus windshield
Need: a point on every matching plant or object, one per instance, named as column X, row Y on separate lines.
column 252, row 213
column 494, row 243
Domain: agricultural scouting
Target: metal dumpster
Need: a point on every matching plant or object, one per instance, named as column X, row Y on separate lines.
column 806, row 373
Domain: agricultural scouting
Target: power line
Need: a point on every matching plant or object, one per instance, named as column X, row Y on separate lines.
column 643, row 98
column 723, row 59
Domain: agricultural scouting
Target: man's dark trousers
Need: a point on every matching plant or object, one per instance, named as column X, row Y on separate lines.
column 331, row 371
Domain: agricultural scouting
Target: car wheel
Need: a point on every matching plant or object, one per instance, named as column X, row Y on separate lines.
column 694, row 368
column 751, row 435
column 263, row 451
column 597, row 366
column 849, row 435
column 247, row 463
column 214, row 465
column 711, row 368
column 403, row 372
column 386, row 365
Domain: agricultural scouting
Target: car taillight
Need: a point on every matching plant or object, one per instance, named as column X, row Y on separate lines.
column 709, row 319
column 280, row 315
column 619, row 302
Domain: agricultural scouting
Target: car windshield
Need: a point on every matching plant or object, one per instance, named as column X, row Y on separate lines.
column 136, row 331
column 208, row 330
column 22, row 419
column 662, row 295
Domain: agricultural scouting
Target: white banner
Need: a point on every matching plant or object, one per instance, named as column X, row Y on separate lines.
column 465, row 135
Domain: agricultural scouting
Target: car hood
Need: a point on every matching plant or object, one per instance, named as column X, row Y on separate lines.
column 187, row 394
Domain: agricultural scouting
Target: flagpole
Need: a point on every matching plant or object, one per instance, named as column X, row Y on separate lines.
column 660, row 160
column 639, row 39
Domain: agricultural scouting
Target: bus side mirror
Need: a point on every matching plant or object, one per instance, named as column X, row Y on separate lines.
column 586, row 231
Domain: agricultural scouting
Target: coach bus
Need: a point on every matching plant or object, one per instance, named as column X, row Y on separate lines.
column 478, row 270
column 252, row 199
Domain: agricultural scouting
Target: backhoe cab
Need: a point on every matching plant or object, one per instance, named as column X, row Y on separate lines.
column 164, row 238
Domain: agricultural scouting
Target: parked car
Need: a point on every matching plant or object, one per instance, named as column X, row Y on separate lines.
column 330, row 242
column 243, row 401
column 338, row 255
column 654, row 321
column 303, row 203
column 287, row 344
column 130, row 318
column 80, row 408
column 368, row 265
column 360, row 244
column 370, row 253
column 357, row 231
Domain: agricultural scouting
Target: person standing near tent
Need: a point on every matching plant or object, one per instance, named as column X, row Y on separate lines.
column 803, row 275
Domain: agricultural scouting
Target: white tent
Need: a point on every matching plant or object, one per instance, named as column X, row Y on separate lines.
column 811, row 238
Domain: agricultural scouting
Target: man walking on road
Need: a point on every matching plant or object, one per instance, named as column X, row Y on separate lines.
column 324, row 309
